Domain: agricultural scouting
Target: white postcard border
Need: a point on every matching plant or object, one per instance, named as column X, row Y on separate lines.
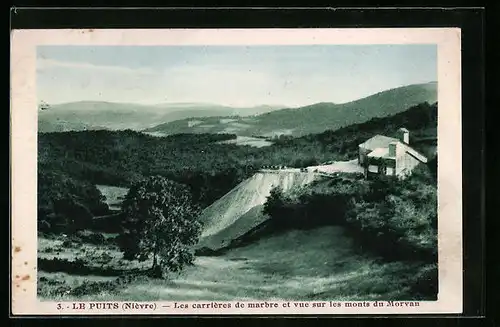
column 24, row 155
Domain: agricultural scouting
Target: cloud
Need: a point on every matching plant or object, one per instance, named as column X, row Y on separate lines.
column 44, row 64
column 233, row 86
column 234, row 77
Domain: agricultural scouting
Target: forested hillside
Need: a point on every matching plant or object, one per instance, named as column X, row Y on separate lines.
column 210, row 168
column 315, row 118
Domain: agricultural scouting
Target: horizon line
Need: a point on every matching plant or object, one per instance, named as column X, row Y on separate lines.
column 283, row 106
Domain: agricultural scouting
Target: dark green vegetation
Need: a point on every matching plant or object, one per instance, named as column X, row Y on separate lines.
column 122, row 158
column 83, row 263
column 160, row 221
column 66, row 204
column 315, row 118
column 396, row 220
column 211, row 169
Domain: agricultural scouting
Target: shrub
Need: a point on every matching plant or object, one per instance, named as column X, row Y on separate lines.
column 92, row 238
column 425, row 282
column 66, row 204
column 396, row 219
column 75, row 215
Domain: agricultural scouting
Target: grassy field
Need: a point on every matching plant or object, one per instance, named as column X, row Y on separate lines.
column 319, row 264
column 73, row 266
column 247, row 140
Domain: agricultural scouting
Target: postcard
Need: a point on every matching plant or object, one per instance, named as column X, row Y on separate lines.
column 236, row 171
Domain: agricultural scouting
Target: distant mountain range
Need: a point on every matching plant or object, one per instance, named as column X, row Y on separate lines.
column 266, row 120
column 315, row 118
column 94, row 115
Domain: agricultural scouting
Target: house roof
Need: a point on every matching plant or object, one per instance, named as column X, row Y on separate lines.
column 378, row 141
column 379, row 144
column 411, row 151
column 380, row 153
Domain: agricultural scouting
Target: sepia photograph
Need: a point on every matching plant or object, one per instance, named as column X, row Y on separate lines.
column 237, row 172
column 258, row 172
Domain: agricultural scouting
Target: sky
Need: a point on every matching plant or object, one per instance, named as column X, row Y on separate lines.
column 236, row 76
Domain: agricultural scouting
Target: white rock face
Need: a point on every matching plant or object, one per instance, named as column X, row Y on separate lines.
column 247, row 195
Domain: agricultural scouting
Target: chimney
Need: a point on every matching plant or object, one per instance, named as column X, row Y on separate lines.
column 392, row 149
column 404, row 135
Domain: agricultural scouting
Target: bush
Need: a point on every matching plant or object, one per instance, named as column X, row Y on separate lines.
column 66, row 204
column 75, row 215
column 304, row 162
column 396, row 219
column 92, row 238
column 425, row 282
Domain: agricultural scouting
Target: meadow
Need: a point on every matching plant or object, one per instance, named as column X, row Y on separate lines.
column 317, row 264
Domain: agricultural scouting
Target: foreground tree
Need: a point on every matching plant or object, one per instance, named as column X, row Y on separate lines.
column 161, row 221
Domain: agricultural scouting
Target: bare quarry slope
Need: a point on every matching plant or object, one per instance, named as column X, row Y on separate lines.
column 240, row 210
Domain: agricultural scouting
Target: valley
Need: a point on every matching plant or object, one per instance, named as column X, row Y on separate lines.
column 268, row 121
column 318, row 238
column 95, row 115
column 315, row 118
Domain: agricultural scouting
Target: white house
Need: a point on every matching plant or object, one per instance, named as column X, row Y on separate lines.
column 389, row 156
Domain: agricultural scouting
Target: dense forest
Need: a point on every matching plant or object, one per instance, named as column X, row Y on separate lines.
column 71, row 162
column 421, row 120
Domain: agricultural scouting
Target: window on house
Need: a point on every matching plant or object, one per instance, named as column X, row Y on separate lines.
column 373, row 169
column 390, row 171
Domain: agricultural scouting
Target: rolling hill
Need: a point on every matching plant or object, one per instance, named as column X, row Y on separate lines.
column 315, row 118
column 94, row 115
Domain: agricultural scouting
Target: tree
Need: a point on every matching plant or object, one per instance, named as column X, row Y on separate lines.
column 75, row 215
column 275, row 202
column 281, row 208
column 67, row 203
column 161, row 221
